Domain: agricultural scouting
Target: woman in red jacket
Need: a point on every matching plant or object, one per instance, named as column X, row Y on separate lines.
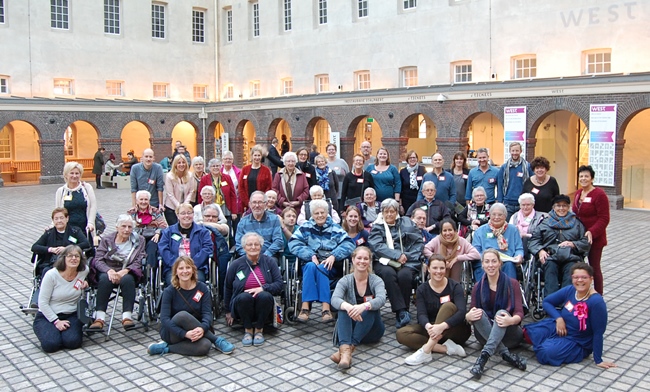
column 253, row 177
column 591, row 205
column 224, row 189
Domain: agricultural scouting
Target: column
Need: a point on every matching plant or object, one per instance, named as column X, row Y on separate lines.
column 347, row 148
column 52, row 161
column 396, row 147
column 113, row 146
column 448, row 146
column 161, row 147
column 237, row 149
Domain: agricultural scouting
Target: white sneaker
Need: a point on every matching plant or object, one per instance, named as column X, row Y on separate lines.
column 417, row 358
column 454, row 349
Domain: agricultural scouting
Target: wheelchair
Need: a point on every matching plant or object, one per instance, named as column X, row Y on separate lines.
column 31, row 308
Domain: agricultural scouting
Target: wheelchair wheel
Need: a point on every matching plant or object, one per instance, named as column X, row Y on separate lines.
column 292, row 292
column 214, row 288
column 466, row 279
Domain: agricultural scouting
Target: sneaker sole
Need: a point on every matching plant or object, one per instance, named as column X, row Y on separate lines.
column 225, row 352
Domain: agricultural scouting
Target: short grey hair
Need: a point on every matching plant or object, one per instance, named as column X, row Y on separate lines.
column 271, row 191
column 315, row 204
column 209, row 189
column 258, row 193
column 143, row 192
column 483, row 149
column 526, row 196
column 499, row 206
column 124, row 218
column 226, row 154
column 213, row 207
column 198, row 159
column 253, row 234
column 427, row 183
column 289, row 154
column 371, row 190
column 389, row 203
column 477, row 190
column 214, row 161
column 316, row 189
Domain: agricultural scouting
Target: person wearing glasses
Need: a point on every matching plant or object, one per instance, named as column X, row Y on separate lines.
column 263, row 223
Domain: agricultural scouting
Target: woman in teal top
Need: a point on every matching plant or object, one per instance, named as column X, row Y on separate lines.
column 388, row 184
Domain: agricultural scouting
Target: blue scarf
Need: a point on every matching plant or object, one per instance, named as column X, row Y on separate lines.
column 505, row 298
column 323, row 176
column 562, row 223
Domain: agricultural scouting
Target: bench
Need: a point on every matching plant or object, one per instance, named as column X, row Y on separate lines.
column 120, row 182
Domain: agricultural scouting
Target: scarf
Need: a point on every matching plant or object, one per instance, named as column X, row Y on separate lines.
column 505, row 298
column 563, row 222
column 523, row 222
column 506, row 173
column 323, row 176
column 449, row 246
column 498, row 234
column 413, row 171
column 219, row 198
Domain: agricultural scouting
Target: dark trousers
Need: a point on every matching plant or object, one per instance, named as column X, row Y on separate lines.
column 595, row 254
column 170, row 216
column 368, row 331
column 98, row 180
column 152, row 254
column 182, row 345
column 415, row 336
column 553, row 273
column 253, row 311
column 511, row 209
column 52, row 339
column 399, row 284
column 105, row 289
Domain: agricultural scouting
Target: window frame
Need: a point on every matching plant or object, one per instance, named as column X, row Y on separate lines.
column 605, row 63
column 254, row 87
column 228, row 24
column 319, row 83
column 60, row 20
column 404, row 71
column 6, row 143
column 287, row 20
column 362, row 77
column 409, row 4
column 112, row 17
column 114, row 83
column 229, row 91
column 322, row 12
column 158, row 20
column 524, row 66
column 4, row 85
column 362, row 9
column 198, row 25
column 198, row 88
column 157, row 87
column 465, row 72
column 255, row 18
column 3, row 9
column 60, row 83
column 287, row 86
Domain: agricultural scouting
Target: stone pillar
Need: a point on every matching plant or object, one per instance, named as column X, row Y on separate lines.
column 531, row 143
column 347, row 149
column 209, row 148
column 396, row 147
column 52, row 161
column 299, row 142
column 160, row 147
column 448, row 146
column 113, row 146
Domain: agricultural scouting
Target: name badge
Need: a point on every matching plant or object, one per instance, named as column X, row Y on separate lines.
column 336, row 168
column 72, row 239
column 308, row 175
column 240, row 275
column 374, row 172
column 197, row 296
column 359, row 180
column 480, row 216
column 528, row 220
column 151, row 181
column 418, row 178
column 465, row 176
column 489, row 235
column 458, row 247
column 360, row 241
column 368, row 298
column 424, row 207
column 587, row 200
column 67, row 197
column 520, row 174
column 491, row 181
column 441, row 178
column 78, row 284
column 535, row 190
column 444, row 299
column 245, row 176
column 176, row 237
column 224, row 183
column 568, row 306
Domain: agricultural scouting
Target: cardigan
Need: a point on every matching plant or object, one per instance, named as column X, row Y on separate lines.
column 89, row 195
column 57, row 295
column 466, row 252
column 201, row 246
column 354, row 186
column 177, row 192
column 103, row 262
column 264, row 183
column 238, row 272
column 300, row 188
column 71, row 236
column 593, row 212
column 344, row 292
column 227, row 188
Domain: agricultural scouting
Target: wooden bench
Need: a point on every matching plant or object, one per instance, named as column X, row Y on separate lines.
column 120, row 182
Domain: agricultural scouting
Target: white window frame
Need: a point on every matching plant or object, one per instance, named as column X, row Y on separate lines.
column 255, row 18
column 2, row 11
column 227, row 13
column 322, row 12
column 409, row 76
column 63, row 86
column 597, row 61
column 4, row 83
column 461, row 72
column 322, row 83
column 200, row 92
column 287, row 86
column 229, row 91
column 198, row 25
column 112, row 17
column 286, row 15
column 362, row 9
column 409, row 4
column 115, row 88
column 160, row 90
column 158, row 20
column 5, row 142
column 254, row 88
column 524, row 67
column 362, row 80
column 60, row 14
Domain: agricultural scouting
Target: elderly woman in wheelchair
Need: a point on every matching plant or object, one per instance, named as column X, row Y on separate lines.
column 118, row 263
column 56, row 324
column 251, row 283
column 321, row 246
column 559, row 242
column 150, row 221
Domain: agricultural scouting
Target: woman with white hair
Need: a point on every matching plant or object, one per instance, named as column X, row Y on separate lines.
column 118, row 262
column 316, row 192
column 290, row 183
column 526, row 219
column 149, row 223
column 198, row 171
column 78, row 197
column 207, row 199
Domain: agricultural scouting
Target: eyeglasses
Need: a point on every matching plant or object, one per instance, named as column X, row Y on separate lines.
column 211, row 216
column 72, row 256
column 186, row 213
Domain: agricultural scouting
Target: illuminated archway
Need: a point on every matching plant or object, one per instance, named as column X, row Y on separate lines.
column 186, row 133
column 636, row 169
column 422, row 134
column 20, row 158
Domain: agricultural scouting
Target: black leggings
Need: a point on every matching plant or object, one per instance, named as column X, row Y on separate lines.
column 182, row 345
column 105, row 289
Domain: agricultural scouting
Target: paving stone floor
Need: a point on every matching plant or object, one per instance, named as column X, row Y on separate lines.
column 296, row 356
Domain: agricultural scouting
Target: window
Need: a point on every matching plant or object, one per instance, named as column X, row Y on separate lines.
column 287, row 86
column 362, row 8
column 363, row 80
column 228, row 24
column 322, row 83
column 408, row 4
column 59, row 12
column 255, row 9
column 114, row 88
column 5, row 143
column 161, row 90
column 409, row 76
column 229, row 91
column 322, row 12
column 63, row 87
column 4, row 84
column 158, row 20
column 597, row 62
column 112, row 16
column 198, row 26
column 524, row 67
column 254, row 88
column 287, row 14
column 200, row 92
column 2, row 11
column 462, row 72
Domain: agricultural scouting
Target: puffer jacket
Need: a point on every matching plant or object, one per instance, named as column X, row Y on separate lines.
column 330, row 238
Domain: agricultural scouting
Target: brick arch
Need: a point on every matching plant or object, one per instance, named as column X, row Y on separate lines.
column 352, row 124
column 408, row 119
column 463, row 114
column 537, row 113
column 311, row 124
column 4, row 123
column 273, row 126
column 627, row 110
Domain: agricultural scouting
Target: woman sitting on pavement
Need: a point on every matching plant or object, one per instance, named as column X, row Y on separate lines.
column 56, row 324
column 496, row 313
column 207, row 198
column 251, row 283
column 455, row 249
column 441, row 324
column 118, row 262
column 150, row 222
column 571, row 334
column 353, row 226
column 321, row 246
column 359, row 296
column 316, row 193
column 526, row 219
column 186, row 315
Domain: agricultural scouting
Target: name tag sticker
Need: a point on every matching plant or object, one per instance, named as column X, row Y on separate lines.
column 489, row 235
column 368, row 298
column 151, row 181
column 240, row 275
column 308, row 175
column 360, row 241
column 520, row 174
column 67, row 197
column 359, row 180
column 224, row 183
column 197, row 296
column 441, row 178
column 78, row 284
column 418, row 178
column 535, row 190
column 465, row 177
column 176, row 237
column 587, row 200
column 245, row 176
column 568, row 306
column 491, row 181
column 480, row 216
column 72, row 239
column 374, row 172
column 424, row 207
column 444, row 299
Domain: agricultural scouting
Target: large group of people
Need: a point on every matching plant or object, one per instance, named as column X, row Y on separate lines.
column 389, row 226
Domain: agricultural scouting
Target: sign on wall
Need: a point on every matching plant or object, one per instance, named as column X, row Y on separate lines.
column 602, row 142
column 335, row 138
column 514, row 129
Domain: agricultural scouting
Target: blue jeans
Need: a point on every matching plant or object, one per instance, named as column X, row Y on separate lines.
column 316, row 282
column 508, row 268
column 52, row 339
column 496, row 339
column 368, row 331
column 511, row 209
column 552, row 273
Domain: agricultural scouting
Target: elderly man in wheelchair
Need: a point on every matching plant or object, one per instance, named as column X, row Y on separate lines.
column 558, row 243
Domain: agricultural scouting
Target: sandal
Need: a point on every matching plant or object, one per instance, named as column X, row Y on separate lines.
column 303, row 317
column 327, row 316
column 97, row 325
column 247, row 340
column 128, row 324
column 259, row 339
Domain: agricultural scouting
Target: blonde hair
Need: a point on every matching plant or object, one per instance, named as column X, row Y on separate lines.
column 186, row 176
column 68, row 167
column 354, row 254
column 190, row 263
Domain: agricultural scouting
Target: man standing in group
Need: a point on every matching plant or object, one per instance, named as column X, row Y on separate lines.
column 263, row 223
column 275, row 160
column 443, row 180
column 98, row 166
column 181, row 150
column 483, row 175
column 148, row 175
column 366, row 151
column 511, row 178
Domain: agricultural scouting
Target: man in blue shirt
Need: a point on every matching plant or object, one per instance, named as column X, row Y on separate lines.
column 263, row 223
column 483, row 175
column 443, row 180
column 148, row 175
column 511, row 178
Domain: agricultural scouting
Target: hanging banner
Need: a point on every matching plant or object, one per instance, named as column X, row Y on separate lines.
column 514, row 129
column 602, row 142
column 335, row 139
column 225, row 143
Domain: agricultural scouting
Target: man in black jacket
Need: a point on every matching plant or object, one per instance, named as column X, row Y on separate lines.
column 275, row 160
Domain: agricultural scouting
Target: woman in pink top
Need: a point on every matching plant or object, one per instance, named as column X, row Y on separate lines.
column 454, row 248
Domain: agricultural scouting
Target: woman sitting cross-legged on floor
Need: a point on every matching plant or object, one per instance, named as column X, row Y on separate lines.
column 186, row 315
column 441, row 324
column 359, row 296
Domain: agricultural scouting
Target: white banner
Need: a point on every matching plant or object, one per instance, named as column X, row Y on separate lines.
column 602, row 142
column 335, row 138
column 514, row 129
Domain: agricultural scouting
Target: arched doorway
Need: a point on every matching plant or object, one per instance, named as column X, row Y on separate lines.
column 247, row 130
column 19, row 152
column 135, row 137
column 279, row 128
column 485, row 130
column 80, row 145
column 563, row 139
column 186, row 133
column 636, row 169
column 368, row 129
column 221, row 141
column 422, row 134
column 321, row 132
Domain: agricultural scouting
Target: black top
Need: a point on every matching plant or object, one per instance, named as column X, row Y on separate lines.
column 428, row 303
column 252, row 180
column 543, row 194
column 76, row 209
column 362, row 298
column 353, row 186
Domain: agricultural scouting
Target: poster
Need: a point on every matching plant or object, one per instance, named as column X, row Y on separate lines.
column 335, row 138
column 514, row 129
column 602, row 142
